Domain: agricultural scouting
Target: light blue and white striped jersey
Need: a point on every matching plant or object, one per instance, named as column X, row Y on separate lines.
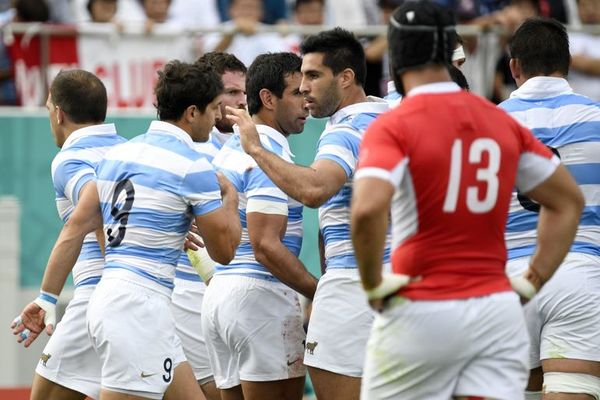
column 253, row 184
column 340, row 142
column 393, row 97
column 72, row 168
column 208, row 150
column 570, row 124
column 150, row 188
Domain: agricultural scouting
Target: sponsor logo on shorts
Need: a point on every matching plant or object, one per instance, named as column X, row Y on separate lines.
column 143, row 375
column 44, row 358
column 293, row 362
column 310, row 346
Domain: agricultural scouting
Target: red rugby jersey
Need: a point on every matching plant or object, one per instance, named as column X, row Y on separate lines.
column 454, row 159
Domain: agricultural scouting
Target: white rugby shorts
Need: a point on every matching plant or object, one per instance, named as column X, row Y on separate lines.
column 340, row 323
column 253, row 330
column 186, row 304
column 437, row 350
column 563, row 319
column 69, row 358
column 133, row 331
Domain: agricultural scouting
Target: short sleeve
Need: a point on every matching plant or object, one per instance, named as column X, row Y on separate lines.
column 200, row 188
column 383, row 153
column 69, row 176
column 340, row 146
column 260, row 187
column 536, row 161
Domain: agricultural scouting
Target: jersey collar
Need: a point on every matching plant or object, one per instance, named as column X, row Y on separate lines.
column 435, row 88
column 168, row 128
column 373, row 105
column 92, row 130
column 541, row 87
column 276, row 136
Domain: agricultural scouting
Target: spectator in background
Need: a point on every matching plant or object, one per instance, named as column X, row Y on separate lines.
column 585, row 52
column 306, row 12
column 102, row 11
column 242, row 38
column 156, row 11
column 21, row 11
column 274, row 11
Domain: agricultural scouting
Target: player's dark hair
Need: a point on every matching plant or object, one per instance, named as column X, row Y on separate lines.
column 541, row 45
column 81, row 96
column 340, row 50
column 32, row 10
column 458, row 77
column 268, row 71
column 181, row 85
column 222, row 62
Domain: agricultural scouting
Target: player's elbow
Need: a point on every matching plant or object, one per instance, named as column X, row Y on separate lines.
column 223, row 255
column 314, row 197
column 263, row 248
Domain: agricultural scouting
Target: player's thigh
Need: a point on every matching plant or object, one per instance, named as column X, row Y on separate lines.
column 210, row 391
column 331, row 386
column 569, row 305
column 184, row 385
column 339, row 325
column 285, row 389
column 44, row 389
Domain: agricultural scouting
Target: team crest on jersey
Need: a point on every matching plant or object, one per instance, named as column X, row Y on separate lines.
column 311, row 347
column 44, row 358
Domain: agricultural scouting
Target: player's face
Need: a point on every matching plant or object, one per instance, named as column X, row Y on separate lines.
column 290, row 110
column 319, row 86
column 233, row 96
column 205, row 121
column 54, row 125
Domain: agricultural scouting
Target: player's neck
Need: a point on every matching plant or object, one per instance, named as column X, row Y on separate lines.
column 413, row 78
column 72, row 127
column 353, row 95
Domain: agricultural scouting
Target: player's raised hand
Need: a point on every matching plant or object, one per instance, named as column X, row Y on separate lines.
column 246, row 128
column 35, row 317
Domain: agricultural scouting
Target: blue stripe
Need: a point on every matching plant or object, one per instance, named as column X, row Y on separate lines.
column 90, row 250
column 162, row 255
column 153, row 219
column 344, row 261
column 187, row 276
column 144, row 175
column 585, row 174
column 92, row 280
column 577, row 247
column 517, row 105
column 167, row 142
column 49, row 298
column 527, row 220
column 168, row 283
column 335, row 233
column 576, row 132
column 96, row 141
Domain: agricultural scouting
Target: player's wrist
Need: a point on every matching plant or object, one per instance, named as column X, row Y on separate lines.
column 47, row 301
column 389, row 285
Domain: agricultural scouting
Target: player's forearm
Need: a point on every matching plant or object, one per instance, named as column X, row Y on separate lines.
column 555, row 234
column 286, row 267
column 299, row 182
column 369, row 232
column 62, row 259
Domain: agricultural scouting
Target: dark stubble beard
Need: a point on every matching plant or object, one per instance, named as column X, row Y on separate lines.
column 328, row 104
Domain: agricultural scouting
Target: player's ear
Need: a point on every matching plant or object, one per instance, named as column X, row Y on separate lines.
column 266, row 98
column 515, row 68
column 60, row 115
column 190, row 113
column 347, row 77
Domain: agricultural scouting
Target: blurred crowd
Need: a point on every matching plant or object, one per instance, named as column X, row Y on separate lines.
column 240, row 21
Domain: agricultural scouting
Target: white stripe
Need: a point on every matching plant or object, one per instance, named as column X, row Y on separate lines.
column 157, row 269
column 294, row 229
column 202, row 165
column 580, row 153
column 272, row 191
column 340, row 152
column 405, row 218
column 92, row 155
column 199, row 198
column 71, row 185
column 143, row 237
column 340, row 247
column 146, row 197
column 333, row 216
column 150, row 156
column 87, row 268
column 343, row 128
column 242, row 271
column 533, row 170
column 233, row 160
column 557, row 117
column 374, row 172
column 591, row 193
column 266, row 207
column 64, row 207
column 585, row 233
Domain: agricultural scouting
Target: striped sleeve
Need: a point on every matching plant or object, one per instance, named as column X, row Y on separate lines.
column 340, row 146
column 536, row 162
column 70, row 175
column 200, row 188
column 260, row 187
